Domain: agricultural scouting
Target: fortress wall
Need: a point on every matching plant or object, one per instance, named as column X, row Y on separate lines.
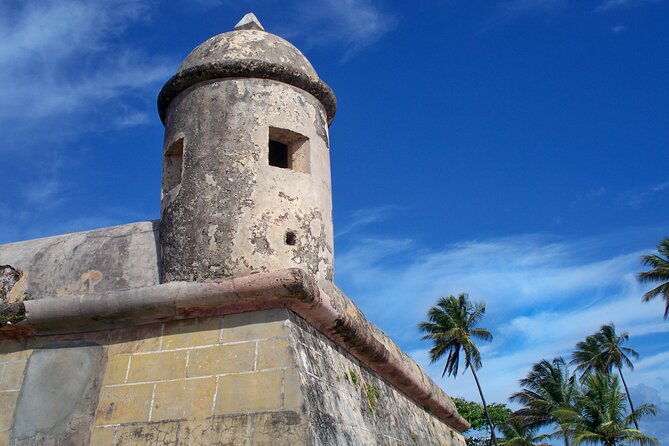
column 108, row 259
column 261, row 378
column 220, row 380
column 349, row 404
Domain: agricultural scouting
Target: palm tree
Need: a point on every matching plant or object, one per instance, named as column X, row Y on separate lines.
column 603, row 351
column 548, row 388
column 452, row 328
column 518, row 433
column 658, row 273
column 599, row 415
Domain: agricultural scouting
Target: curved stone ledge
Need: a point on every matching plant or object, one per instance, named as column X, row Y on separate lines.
column 246, row 68
column 334, row 316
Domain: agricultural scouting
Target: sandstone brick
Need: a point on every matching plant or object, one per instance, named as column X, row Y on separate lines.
column 271, row 429
column 142, row 338
column 249, row 392
column 157, row 366
column 184, row 399
column 124, row 404
column 12, row 375
column 221, row 430
column 192, row 333
column 230, row 358
column 4, row 438
column 7, row 405
column 292, row 389
column 13, row 350
column 255, row 325
column 158, row 434
column 102, row 436
column 117, row 368
column 274, row 353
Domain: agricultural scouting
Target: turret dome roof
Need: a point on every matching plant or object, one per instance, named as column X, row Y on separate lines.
column 248, row 51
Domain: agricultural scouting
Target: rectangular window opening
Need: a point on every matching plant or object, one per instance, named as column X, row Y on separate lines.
column 289, row 150
column 278, row 154
column 173, row 165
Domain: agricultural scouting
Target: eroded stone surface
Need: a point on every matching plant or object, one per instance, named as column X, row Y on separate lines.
column 92, row 261
column 230, row 215
column 346, row 403
column 59, row 396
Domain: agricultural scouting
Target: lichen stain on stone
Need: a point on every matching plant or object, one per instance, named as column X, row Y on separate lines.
column 287, row 197
column 86, row 284
column 13, row 284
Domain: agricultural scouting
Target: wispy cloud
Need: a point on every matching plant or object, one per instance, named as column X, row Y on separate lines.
column 542, row 295
column 365, row 217
column 609, row 5
column 656, row 426
column 514, row 8
column 353, row 24
column 66, row 60
column 638, row 198
column 350, row 24
column 618, row 28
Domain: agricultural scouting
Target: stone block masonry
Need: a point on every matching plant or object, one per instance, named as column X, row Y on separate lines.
column 260, row 378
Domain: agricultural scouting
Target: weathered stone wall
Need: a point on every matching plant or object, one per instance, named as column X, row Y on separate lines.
column 220, row 380
column 231, row 212
column 348, row 404
column 261, row 378
column 92, row 261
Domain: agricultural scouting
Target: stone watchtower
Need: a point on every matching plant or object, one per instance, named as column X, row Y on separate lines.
column 246, row 169
column 220, row 323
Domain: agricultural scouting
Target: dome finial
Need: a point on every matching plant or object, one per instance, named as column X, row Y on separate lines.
column 249, row 21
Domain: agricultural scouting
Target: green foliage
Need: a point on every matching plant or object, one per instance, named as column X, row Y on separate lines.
column 372, row 397
column 600, row 417
column 547, row 389
column 452, row 328
column 659, row 273
column 352, row 376
column 602, row 352
column 518, row 433
column 473, row 412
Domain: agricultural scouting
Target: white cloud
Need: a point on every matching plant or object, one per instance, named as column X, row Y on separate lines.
column 63, row 58
column 542, row 295
column 518, row 7
column 608, row 5
column 637, row 198
column 619, row 29
column 355, row 24
column 365, row 217
column 352, row 24
column 657, row 426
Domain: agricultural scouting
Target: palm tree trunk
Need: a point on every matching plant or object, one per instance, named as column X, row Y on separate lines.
column 485, row 408
column 636, row 424
column 565, row 434
column 629, row 399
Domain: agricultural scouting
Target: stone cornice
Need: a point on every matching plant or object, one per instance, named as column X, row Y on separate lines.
column 246, row 69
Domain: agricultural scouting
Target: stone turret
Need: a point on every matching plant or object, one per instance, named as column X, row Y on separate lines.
column 246, row 168
column 250, row 342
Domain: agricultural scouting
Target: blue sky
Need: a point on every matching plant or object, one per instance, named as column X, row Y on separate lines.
column 513, row 149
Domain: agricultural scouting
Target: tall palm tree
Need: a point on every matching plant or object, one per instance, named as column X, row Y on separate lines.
column 452, row 327
column 548, row 387
column 603, row 351
column 599, row 416
column 658, row 273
